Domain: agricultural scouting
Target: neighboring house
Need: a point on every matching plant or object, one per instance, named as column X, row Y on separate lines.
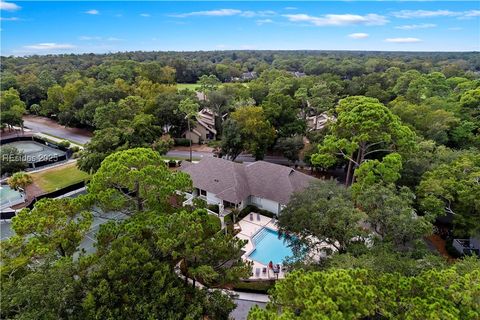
column 235, row 185
column 249, row 75
column 319, row 122
column 201, row 96
column 297, row 74
column 246, row 76
column 204, row 128
column 468, row 246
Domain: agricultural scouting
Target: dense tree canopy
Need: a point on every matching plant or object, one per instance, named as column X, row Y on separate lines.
column 134, row 269
column 136, row 180
column 364, row 127
column 453, row 189
column 402, row 127
column 359, row 294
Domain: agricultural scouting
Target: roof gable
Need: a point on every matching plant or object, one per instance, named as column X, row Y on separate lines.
column 234, row 182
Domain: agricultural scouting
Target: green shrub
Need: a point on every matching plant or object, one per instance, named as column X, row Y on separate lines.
column 214, row 222
column 75, row 148
column 76, row 155
column 172, row 163
column 251, row 208
column 254, row 286
column 214, row 208
column 199, row 203
column 182, row 142
column 64, row 144
column 228, row 218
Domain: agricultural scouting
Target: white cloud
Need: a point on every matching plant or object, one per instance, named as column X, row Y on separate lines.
column 471, row 13
column 370, row 19
column 93, row 11
column 210, row 13
column 146, row 15
column 9, row 6
column 409, row 14
column 50, row 46
column 416, row 26
column 9, row 19
column 290, row 8
column 264, row 21
column 358, row 35
column 226, row 13
column 403, row 40
column 251, row 14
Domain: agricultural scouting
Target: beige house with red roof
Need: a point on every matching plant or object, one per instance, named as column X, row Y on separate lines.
column 235, row 185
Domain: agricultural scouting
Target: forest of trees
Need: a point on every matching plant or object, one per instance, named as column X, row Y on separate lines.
column 405, row 130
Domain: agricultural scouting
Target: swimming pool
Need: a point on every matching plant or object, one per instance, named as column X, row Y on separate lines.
column 269, row 247
column 9, row 197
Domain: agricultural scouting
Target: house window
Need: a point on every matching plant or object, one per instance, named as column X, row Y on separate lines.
column 228, row 204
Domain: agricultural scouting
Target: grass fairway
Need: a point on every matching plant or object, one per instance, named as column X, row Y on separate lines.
column 189, row 86
column 196, row 86
column 59, row 177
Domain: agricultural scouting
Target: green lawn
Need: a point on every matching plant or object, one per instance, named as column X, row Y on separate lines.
column 59, row 177
column 189, row 86
column 196, row 86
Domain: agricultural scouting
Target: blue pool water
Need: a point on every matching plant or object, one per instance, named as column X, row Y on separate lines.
column 268, row 247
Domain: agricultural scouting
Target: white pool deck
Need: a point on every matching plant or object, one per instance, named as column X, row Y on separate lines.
column 249, row 227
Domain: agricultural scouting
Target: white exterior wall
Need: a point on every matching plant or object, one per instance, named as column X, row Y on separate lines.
column 261, row 203
column 242, row 204
column 265, row 204
column 212, row 199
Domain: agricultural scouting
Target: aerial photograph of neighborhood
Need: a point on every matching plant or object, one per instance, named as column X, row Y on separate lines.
column 240, row 160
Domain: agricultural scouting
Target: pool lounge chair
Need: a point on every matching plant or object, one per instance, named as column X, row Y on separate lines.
column 251, row 216
column 258, row 217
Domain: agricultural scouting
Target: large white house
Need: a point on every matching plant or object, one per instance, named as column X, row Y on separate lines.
column 235, row 185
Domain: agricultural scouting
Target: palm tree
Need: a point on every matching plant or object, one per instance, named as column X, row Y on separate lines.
column 20, row 180
column 190, row 109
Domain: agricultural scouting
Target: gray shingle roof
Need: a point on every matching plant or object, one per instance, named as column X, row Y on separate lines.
column 234, row 182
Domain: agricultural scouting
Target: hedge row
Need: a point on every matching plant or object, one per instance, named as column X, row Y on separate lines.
column 182, row 142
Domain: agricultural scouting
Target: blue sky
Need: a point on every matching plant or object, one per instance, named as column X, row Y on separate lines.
column 39, row 27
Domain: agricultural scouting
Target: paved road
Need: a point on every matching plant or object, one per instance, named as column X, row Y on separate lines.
column 82, row 136
column 50, row 127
